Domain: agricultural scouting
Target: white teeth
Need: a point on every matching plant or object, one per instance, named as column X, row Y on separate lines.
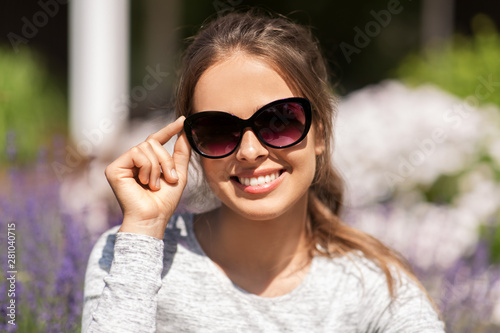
column 261, row 180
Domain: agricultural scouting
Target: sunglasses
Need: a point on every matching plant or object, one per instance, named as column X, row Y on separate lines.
column 279, row 124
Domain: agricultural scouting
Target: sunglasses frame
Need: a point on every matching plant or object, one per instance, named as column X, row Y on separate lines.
column 243, row 124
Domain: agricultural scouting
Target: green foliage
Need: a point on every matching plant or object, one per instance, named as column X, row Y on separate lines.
column 32, row 108
column 491, row 235
column 462, row 65
column 495, row 244
column 443, row 190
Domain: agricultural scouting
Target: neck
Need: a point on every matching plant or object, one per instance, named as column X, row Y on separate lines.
column 255, row 253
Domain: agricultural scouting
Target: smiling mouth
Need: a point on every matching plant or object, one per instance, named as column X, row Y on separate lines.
column 260, row 180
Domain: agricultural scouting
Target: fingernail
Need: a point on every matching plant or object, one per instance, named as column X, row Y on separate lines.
column 158, row 183
column 174, row 174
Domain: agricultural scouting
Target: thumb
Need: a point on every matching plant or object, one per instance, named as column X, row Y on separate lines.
column 181, row 155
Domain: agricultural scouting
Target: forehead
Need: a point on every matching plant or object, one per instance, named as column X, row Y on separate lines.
column 239, row 85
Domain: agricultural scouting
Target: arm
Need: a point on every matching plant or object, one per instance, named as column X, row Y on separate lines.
column 124, row 271
column 121, row 284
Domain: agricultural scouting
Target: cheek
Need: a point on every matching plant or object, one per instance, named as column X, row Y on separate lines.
column 214, row 172
column 208, row 168
column 306, row 162
column 302, row 161
column 307, row 166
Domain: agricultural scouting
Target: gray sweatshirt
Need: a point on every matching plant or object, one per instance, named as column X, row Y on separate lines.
column 136, row 283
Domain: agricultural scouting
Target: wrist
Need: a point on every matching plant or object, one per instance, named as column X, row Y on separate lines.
column 154, row 228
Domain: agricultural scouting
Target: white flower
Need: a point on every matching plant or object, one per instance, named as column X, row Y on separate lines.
column 427, row 234
column 389, row 136
column 393, row 143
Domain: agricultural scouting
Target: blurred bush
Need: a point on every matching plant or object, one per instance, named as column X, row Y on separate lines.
column 51, row 250
column 468, row 68
column 421, row 177
column 462, row 65
column 451, row 188
column 32, row 107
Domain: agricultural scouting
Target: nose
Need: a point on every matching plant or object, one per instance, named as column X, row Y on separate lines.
column 251, row 149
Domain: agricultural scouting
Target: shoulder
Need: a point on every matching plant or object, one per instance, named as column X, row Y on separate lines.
column 350, row 276
column 178, row 226
column 353, row 266
column 369, row 279
column 104, row 250
column 99, row 262
column 363, row 287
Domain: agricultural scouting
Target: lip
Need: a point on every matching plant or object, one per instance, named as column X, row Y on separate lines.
column 259, row 189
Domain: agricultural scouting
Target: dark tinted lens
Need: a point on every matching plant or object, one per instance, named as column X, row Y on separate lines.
column 282, row 124
column 215, row 135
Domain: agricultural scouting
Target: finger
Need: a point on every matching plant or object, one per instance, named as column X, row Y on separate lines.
column 167, row 132
column 166, row 162
column 155, row 169
column 142, row 163
column 182, row 153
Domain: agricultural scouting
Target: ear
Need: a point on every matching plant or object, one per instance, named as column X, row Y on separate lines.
column 319, row 140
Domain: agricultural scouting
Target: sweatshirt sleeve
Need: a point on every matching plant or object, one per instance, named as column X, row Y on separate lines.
column 122, row 282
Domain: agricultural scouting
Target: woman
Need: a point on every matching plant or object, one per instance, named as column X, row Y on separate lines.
column 254, row 104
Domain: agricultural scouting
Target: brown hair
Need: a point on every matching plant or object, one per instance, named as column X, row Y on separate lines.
column 294, row 53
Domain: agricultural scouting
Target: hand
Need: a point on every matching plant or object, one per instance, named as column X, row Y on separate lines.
column 148, row 197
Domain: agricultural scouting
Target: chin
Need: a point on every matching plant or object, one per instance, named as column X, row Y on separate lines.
column 259, row 210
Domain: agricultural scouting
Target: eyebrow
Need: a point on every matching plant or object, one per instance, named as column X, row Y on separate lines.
column 255, row 110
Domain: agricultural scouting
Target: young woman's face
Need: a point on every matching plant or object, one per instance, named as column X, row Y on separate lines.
column 240, row 86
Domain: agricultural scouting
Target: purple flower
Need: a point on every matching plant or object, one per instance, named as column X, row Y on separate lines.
column 51, row 249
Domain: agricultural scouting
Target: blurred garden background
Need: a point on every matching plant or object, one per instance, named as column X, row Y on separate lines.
column 417, row 135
